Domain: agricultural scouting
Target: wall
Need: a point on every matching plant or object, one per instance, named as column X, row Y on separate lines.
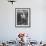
column 8, row 31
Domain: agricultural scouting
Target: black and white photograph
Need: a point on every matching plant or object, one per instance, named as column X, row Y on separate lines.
column 22, row 17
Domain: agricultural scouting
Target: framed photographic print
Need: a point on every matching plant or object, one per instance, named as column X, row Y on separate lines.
column 22, row 17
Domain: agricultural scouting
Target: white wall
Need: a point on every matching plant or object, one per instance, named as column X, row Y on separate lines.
column 8, row 31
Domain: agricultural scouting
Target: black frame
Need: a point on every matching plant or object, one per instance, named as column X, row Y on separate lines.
column 29, row 15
